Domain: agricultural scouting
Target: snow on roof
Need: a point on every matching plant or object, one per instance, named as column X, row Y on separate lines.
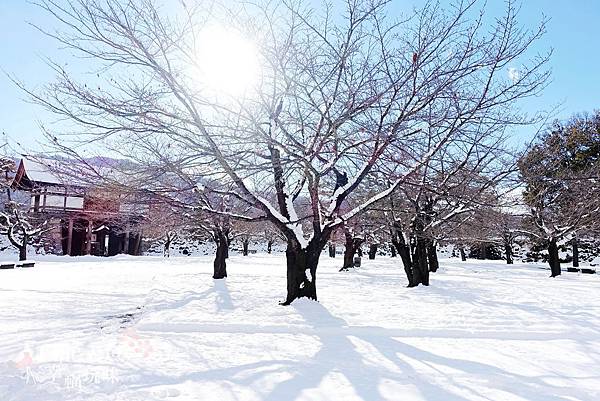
column 55, row 171
column 42, row 170
column 90, row 173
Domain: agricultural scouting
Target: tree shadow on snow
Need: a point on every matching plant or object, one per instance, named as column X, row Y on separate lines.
column 340, row 355
column 367, row 357
column 223, row 298
column 345, row 349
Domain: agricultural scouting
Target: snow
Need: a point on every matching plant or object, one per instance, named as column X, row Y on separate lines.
column 292, row 223
column 295, row 225
column 42, row 171
column 148, row 328
column 272, row 210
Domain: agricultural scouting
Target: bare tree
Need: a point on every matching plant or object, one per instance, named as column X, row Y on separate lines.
column 220, row 232
column 353, row 240
column 337, row 90
column 445, row 194
column 499, row 225
column 271, row 235
column 164, row 224
column 219, row 227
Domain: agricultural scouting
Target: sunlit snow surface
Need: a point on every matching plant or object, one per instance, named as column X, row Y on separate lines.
column 147, row 328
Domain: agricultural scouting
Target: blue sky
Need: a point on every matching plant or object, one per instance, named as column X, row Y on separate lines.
column 573, row 33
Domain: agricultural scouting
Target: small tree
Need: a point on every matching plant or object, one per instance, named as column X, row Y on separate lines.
column 20, row 228
column 164, row 225
column 246, row 232
column 506, row 227
column 271, row 236
column 219, row 229
column 16, row 223
column 490, row 226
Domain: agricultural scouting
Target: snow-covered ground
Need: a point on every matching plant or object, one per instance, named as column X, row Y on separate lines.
column 147, row 329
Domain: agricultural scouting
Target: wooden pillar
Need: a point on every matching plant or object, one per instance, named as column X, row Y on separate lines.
column 106, row 243
column 70, row 237
column 575, row 253
column 138, row 243
column 126, row 242
column 43, row 201
column 88, row 238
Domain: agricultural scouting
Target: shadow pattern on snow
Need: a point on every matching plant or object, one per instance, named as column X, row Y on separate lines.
column 346, row 350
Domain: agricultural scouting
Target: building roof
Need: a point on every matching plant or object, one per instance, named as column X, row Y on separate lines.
column 36, row 171
column 41, row 170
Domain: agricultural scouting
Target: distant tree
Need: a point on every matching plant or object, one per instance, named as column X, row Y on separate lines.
column 506, row 227
column 248, row 232
column 497, row 225
column 442, row 197
column 561, row 174
column 219, row 227
column 164, row 224
column 368, row 228
column 353, row 240
column 271, row 236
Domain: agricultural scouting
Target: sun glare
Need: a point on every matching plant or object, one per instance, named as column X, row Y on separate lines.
column 228, row 62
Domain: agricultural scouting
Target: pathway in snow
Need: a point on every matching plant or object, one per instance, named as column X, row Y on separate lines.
column 152, row 329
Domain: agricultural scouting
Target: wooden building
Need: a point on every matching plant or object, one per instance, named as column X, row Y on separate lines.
column 84, row 220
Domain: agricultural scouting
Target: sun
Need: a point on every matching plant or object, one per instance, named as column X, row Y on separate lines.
column 228, row 63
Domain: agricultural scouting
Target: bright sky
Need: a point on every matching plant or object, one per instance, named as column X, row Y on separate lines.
column 573, row 33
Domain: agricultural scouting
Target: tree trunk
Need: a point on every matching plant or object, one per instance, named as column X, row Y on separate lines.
column 349, row 252
column 302, row 270
column 269, row 246
column 432, row 257
column 245, row 243
column 21, row 246
column 220, row 265
column 553, row 259
column 463, row 257
column 420, row 267
column 332, row 250
column 393, row 250
column 23, row 252
column 372, row 251
column 575, row 253
column 508, row 252
column 404, row 252
column 352, row 246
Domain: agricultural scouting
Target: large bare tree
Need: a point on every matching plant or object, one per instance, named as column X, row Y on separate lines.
column 339, row 86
